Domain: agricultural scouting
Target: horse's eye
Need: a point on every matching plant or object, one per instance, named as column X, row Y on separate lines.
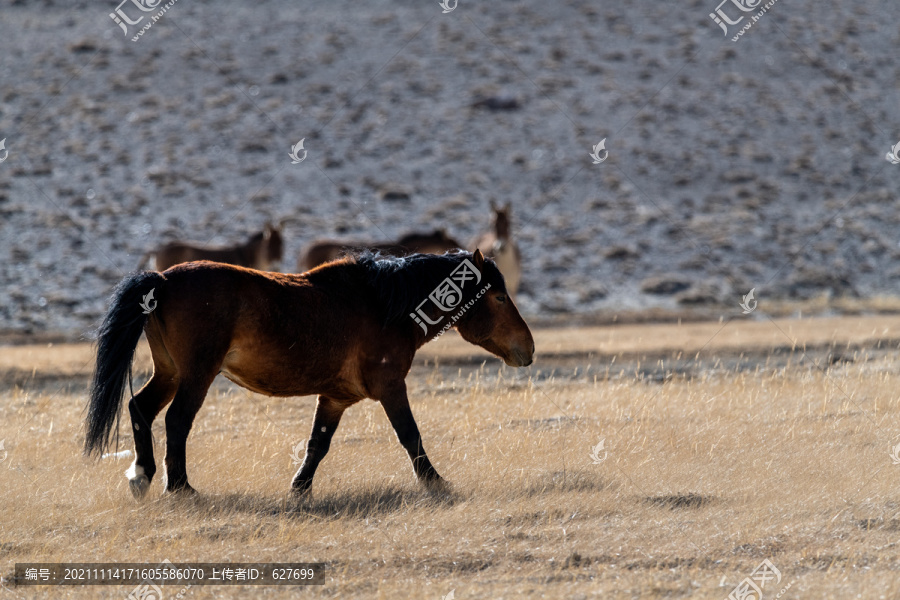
column 501, row 298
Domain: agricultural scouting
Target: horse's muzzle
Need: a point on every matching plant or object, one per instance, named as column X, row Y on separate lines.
column 520, row 358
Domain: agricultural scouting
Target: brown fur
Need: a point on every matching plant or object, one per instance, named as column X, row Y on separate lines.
column 341, row 331
column 262, row 251
column 323, row 251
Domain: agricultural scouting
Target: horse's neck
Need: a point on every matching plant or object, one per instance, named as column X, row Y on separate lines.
column 501, row 232
column 506, row 256
column 254, row 253
column 503, row 250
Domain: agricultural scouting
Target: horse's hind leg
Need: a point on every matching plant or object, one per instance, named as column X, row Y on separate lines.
column 179, row 420
column 144, row 407
column 328, row 415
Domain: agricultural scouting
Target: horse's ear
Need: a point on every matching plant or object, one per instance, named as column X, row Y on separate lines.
column 508, row 206
column 267, row 231
column 478, row 258
column 493, row 205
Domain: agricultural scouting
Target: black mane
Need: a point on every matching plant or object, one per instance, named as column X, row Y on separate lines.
column 403, row 283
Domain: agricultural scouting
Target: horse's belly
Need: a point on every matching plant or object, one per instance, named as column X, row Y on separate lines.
column 281, row 376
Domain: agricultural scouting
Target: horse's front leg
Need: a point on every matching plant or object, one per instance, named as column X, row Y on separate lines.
column 396, row 405
column 328, row 416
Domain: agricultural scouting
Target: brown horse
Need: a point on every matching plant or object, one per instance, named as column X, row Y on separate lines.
column 323, row 251
column 501, row 247
column 263, row 251
column 346, row 331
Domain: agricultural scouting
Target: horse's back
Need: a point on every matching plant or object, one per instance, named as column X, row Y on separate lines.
column 273, row 333
column 318, row 253
column 436, row 242
column 324, row 251
column 169, row 255
column 177, row 253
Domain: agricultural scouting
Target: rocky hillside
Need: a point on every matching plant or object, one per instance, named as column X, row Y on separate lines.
column 758, row 163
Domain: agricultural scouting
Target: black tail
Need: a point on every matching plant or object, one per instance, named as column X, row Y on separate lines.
column 116, row 342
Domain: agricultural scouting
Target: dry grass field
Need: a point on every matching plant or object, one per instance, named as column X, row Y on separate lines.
column 724, row 444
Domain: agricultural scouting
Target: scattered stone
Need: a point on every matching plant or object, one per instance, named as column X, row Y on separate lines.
column 395, row 193
column 497, row 103
column 665, row 285
column 82, row 46
column 674, row 501
column 575, row 560
column 621, row 252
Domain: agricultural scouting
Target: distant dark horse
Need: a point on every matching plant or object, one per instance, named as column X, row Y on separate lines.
column 323, row 251
column 262, row 251
column 346, row 331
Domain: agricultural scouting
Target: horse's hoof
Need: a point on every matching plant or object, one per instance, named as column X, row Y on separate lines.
column 438, row 485
column 139, row 486
column 182, row 491
column 299, row 491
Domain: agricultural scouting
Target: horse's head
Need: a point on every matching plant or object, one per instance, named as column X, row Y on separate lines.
column 493, row 322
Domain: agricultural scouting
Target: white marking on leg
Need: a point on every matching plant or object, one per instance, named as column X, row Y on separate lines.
column 134, row 471
column 137, row 480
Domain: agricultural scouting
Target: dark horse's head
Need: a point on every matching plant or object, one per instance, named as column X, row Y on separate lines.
column 432, row 294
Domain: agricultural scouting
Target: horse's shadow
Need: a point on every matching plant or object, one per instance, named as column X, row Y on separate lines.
column 360, row 504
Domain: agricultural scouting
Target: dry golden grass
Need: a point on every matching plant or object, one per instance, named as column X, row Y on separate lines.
column 707, row 472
